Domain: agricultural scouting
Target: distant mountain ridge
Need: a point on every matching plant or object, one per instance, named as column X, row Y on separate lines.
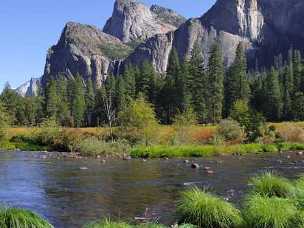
column 136, row 33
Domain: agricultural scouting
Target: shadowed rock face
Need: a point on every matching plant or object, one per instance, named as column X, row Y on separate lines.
column 133, row 21
column 266, row 27
column 83, row 50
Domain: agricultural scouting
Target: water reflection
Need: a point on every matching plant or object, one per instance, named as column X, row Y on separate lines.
column 70, row 197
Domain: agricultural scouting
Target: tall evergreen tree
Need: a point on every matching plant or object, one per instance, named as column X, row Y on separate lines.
column 298, row 107
column 78, row 102
column 236, row 82
column 148, row 81
column 90, row 102
column 51, row 99
column 129, row 78
column 215, row 84
column 170, row 97
column 298, row 71
column 197, row 83
column 287, row 86
column 273, row 102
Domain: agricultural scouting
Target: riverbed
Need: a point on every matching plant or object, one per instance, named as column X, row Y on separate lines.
column 72, row 192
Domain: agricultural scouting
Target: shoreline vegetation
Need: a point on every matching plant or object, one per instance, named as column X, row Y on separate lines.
column 271, row 201
column 198, row 141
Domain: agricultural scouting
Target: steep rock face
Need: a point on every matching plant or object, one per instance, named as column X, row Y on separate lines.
column 83, row 50
column 266, row 27
column 155, row 50
column 133, row 21
column 239, row 17
column 29, row 88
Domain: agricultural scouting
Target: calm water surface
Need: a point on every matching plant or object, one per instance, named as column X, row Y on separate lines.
column 70, row 196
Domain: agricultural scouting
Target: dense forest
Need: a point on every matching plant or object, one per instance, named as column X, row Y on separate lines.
column 206, row 87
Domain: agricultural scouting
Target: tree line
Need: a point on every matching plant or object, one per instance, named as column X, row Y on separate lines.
column 204, row 86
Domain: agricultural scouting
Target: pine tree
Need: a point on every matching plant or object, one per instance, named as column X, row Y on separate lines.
column 197, row 83
column 298, row 107
column 90, row 102
column 129, row 78
column 170, row 97
column 298, row 70
column 147, row 81
column 273, row 104
column 236, row 82
column 51, row 99
column 78, row 102
column 215, row 84
column 63, row 111
column 122, row 95
column 287, row 92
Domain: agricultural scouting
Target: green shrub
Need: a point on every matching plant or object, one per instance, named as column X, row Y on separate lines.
column 230, row 131
column 204, row 210
column 269, row 185
column 182, row 126
column 93, row 147
column 48, row 133
column 138, row 121
column 273, row 212
column 20, row 218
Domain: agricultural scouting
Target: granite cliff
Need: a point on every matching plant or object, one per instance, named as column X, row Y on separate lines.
column 136, row 33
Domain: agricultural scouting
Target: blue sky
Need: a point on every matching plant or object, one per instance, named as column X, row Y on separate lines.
column 28, row 28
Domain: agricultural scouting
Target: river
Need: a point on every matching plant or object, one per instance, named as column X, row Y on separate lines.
column 71, row 193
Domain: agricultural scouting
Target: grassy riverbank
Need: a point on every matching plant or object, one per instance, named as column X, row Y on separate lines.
column 168, row 141
column 211, row 150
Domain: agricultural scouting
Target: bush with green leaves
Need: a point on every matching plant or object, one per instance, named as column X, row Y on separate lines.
column 182, row 126
column 269, row 212
column 270, row 185
column 138, row 122
column 252, row 121
column 230, row 131
column 205, row 210
column 20, row 218
column 48, row 133
column 94, row 147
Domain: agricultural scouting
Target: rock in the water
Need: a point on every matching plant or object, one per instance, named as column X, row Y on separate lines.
column 195, row 166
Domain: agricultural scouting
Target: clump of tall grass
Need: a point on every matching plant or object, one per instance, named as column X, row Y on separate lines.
column 269, row 212
column 150, row 225
column 20, row 218
column 205, row 210
column 270, row 185
column 93, row 147
column 107, row 223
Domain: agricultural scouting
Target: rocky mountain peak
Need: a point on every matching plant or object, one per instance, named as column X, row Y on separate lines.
column 239, row 17
column 84, row 50
column 134, row 21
